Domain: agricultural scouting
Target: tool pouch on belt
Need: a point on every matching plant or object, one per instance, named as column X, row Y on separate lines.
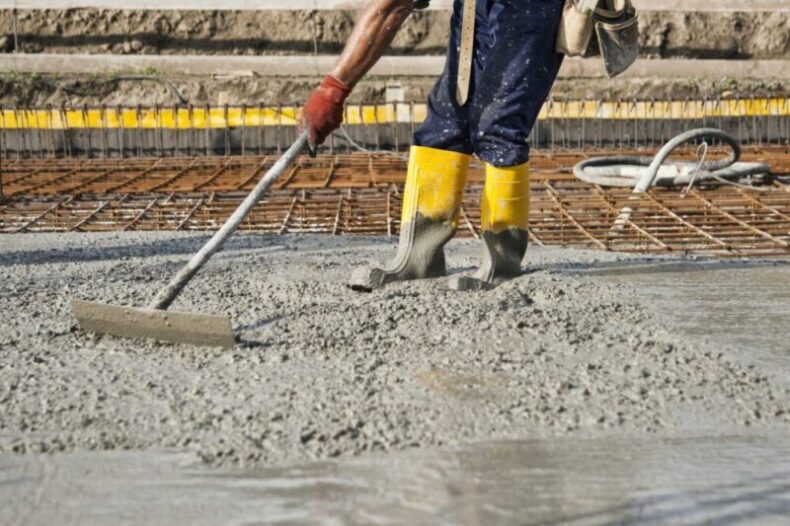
column 618, row 35
column 576, row 27
column 615, row 24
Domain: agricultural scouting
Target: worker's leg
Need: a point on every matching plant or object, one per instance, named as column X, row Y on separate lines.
column 518, row 68
column 446, row 126
column 438, row 164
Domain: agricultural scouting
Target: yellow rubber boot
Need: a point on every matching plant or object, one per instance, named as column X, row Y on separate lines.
column 431, row 203
column 504, row 217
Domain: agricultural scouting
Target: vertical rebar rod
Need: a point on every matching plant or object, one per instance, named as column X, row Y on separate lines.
column 226, row 118
column 243, row 127
column 103, row 131
column 279, row 127
column 191, row 132
column 121, row 132
column 176, row 131
column 138, row 120
column 3, row 139
column 207, row 130
column 259, row 130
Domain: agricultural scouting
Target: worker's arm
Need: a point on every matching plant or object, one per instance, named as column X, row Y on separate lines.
column 372, row 35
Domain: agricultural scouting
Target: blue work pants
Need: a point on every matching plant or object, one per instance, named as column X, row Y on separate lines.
column 514, row 67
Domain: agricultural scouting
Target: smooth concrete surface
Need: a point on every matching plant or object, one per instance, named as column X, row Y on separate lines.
column 731, row 480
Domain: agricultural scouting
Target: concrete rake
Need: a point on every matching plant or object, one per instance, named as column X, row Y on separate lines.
column 155, row 321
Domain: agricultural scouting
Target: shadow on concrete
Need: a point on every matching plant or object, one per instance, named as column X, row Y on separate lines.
column 143, row 249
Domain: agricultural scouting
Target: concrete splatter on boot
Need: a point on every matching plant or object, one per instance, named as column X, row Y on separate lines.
column 431, row 203
column 504, row 216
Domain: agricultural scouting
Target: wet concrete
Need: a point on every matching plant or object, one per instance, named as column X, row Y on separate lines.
column 741, row 308
column 692, row 480
column 324, row 372
column 624, row 391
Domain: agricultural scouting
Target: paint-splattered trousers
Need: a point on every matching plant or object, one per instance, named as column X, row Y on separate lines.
column 514, row 66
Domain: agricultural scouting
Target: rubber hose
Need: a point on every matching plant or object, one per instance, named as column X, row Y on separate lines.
column 725, row 167
column 646, row 181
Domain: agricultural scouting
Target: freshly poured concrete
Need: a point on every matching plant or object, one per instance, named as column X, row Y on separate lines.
column 741, row 309
column 686, row 367
column 323, row 371
column 691, row 481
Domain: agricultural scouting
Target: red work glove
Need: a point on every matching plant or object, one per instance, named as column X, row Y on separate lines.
column 323, row 111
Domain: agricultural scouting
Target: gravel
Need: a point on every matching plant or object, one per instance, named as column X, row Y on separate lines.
column 322, row 371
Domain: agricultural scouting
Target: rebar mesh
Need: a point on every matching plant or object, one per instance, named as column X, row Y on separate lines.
column 361, row 194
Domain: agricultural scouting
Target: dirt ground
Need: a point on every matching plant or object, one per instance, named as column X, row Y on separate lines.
column 41, row 90
column 322, row 371
column 742, row 35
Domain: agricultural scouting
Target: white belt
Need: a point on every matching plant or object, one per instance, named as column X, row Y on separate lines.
column 467, row 52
